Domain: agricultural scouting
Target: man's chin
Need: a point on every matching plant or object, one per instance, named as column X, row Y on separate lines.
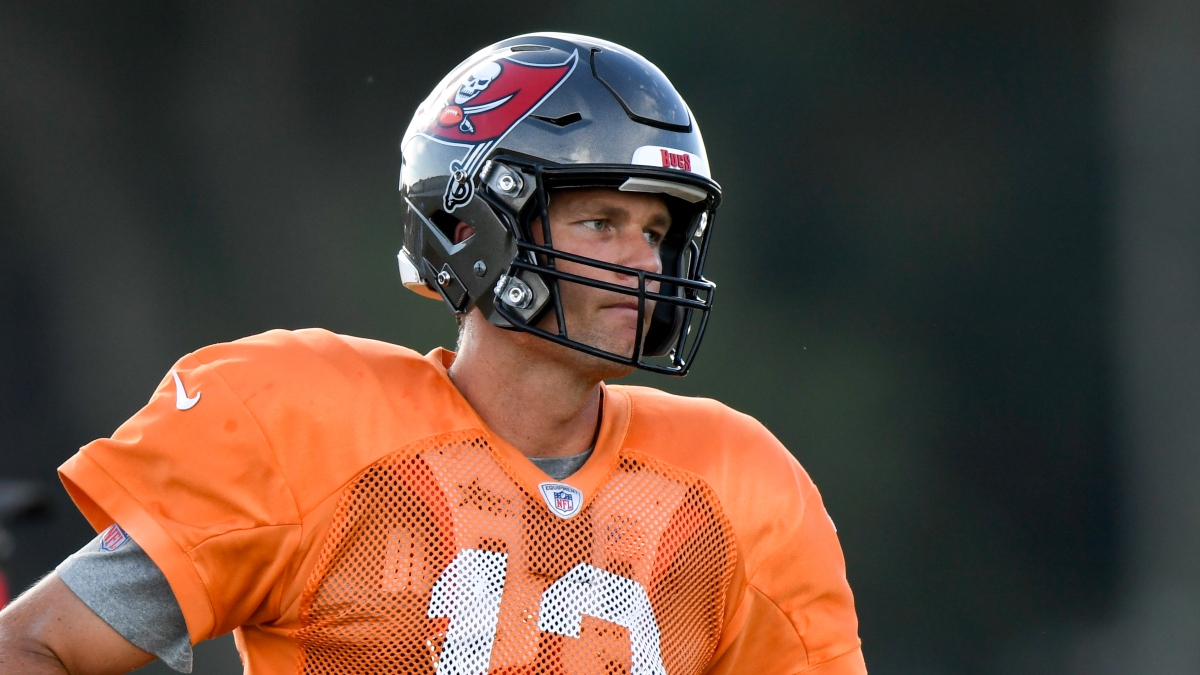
column 600, row 367
column 610, row 332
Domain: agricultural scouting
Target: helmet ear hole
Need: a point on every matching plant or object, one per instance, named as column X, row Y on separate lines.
column 445, row 223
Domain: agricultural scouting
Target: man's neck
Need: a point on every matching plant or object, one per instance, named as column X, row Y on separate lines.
column 544, row 407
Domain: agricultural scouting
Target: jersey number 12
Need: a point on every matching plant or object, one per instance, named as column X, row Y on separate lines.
column 468, row 593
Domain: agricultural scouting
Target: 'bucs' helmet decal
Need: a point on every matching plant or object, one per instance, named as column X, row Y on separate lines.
column 520, row 121
column 483, row 107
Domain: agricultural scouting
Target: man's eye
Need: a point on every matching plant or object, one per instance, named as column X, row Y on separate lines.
column 596, row 225
column 653, row 237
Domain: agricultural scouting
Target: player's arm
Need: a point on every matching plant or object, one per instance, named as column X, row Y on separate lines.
column 50, row 631
column 792, row 611
column 797, row 615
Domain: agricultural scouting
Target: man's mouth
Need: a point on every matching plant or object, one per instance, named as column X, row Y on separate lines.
column 624, row 306
column 628, row 304
column 628, row 311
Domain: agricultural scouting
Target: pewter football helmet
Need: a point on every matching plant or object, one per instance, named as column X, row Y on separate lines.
column 540, row 112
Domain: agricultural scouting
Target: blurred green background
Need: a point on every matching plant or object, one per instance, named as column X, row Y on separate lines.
column 918, row 259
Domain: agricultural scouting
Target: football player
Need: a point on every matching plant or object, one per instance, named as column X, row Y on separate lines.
column 349, row 506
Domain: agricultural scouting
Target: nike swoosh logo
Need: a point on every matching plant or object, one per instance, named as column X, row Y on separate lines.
column 182, row 401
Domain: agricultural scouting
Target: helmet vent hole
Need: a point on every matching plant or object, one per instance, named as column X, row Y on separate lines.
column 529, row 48
column 564, row 120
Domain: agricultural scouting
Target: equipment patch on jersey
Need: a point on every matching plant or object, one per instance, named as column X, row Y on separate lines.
column 481, row 106
column 564, row 500
column 113, row 538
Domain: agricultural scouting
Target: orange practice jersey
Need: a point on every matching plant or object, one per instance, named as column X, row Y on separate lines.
column 339, row 505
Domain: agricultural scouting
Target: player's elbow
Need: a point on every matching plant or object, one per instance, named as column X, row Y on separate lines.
column 24, row 644
column 50, row 631
column 26, row 655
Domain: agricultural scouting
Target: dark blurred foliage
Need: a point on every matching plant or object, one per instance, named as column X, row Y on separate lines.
column 912, row 256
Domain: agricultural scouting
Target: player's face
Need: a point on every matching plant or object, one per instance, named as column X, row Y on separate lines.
column 622, row 228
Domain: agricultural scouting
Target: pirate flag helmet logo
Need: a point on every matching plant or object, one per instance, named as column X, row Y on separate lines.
column 477, row 109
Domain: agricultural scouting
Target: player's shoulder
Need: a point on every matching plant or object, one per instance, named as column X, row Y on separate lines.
column 305, row 391
column 300, row 347
column 673, row 416
column 315, row 369
column 706, row 436
column 311, row 354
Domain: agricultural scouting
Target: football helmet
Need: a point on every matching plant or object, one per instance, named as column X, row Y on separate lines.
column 530, row 115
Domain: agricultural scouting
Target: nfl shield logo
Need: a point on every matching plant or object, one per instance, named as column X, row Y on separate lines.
column 564, row 500
column 113, row 538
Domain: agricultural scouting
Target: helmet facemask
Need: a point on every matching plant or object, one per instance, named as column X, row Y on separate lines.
column 676, row 300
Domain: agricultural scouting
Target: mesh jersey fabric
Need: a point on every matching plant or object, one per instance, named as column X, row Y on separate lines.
column 338, row 504
column 123, row 586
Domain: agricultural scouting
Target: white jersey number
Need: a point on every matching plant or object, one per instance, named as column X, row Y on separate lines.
column 469, row 591
column 608, row 597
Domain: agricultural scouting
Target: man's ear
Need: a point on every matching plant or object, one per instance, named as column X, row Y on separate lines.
column 462, row 232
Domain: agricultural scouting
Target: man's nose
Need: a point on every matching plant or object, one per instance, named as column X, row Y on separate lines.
column 640, row 254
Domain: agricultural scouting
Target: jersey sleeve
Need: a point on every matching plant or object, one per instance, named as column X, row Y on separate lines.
column 793, row 611
column 797, row 611
column 796, row 614
column 197, row 484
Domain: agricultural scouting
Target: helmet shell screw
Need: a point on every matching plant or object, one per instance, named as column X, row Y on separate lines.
column 480, row 268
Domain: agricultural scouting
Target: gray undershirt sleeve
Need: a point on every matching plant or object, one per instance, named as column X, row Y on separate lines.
column 124, row 587
column 559, row 468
